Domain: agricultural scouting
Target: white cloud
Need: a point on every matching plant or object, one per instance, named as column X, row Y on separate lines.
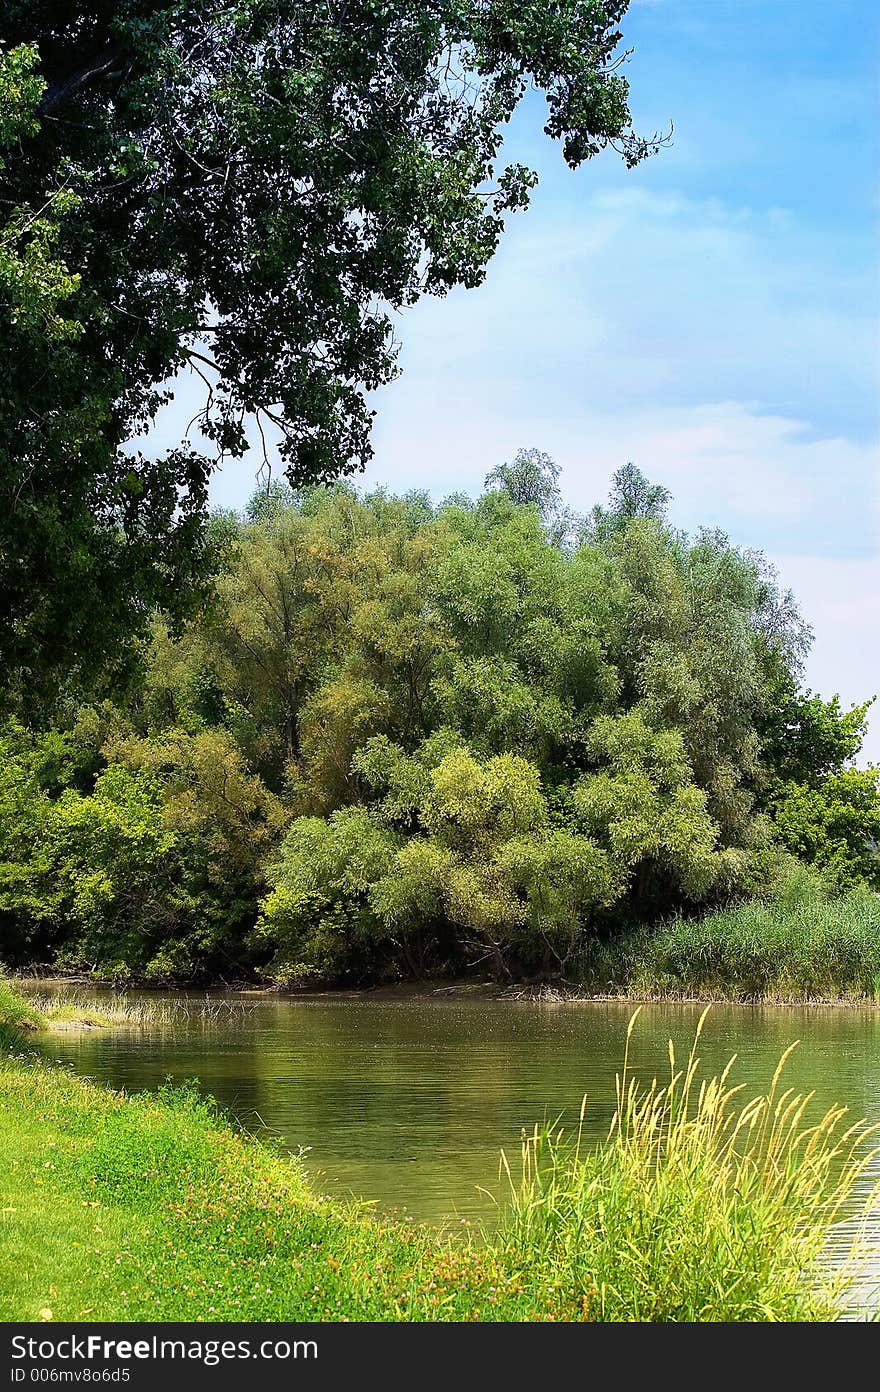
column 730, row 351
column 709, row 343
column 841, row 599
column 765, row 479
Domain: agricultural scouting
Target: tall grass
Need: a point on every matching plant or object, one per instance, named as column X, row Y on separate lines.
column 72, row 1007
column 699, row 1206
column 802, row 948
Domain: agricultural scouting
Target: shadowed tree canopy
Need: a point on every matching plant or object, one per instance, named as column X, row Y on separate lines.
column 249, row 190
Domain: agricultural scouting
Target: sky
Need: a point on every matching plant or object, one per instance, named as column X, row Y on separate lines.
column 712, row 315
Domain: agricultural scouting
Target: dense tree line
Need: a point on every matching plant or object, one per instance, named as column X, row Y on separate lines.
column 401, row 738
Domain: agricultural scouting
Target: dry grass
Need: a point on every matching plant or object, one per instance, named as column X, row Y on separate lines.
column 70, row 1007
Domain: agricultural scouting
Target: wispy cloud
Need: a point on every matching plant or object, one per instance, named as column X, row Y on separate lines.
column 637, row 297
column 764, row 478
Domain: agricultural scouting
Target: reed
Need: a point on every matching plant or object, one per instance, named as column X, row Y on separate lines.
column 806, row 948
column 60, row 1007
column 699, row 1206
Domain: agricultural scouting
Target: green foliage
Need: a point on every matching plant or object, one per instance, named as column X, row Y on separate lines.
column 16, row 1014
column 824, row 809
column 248, row 192
column 154, row 871
column 563, row 877
column 646, row 807
column 834, row 826
column 22, row 88
column 442, row 741
column 631, row 496
column 530, row 479
column 453, row 845
column 806, row 739
column 29, row 894
column 318, row 910
column 698, row 1207
column 33, row 282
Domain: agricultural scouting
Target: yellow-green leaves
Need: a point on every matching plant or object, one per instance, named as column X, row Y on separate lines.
column 21, row 87
column 645, row 807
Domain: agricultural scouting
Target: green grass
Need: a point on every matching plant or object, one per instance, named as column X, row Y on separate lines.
column 25, row 1011
column 803, row 948
column 153, row 1208
column 148, row 1208
column 16, row 1013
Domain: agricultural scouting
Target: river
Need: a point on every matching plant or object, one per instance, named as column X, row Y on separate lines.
column 409, row 1102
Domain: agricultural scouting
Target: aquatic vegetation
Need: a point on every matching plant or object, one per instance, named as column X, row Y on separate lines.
column 701, row 1205
column 68, row 1006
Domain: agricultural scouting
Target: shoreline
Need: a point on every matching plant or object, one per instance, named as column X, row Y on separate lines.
column 175, row 1214
column 428, row 990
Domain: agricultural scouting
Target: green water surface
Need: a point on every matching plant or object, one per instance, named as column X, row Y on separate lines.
column 409, row 1102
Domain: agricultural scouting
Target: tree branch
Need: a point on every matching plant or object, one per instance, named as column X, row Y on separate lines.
column 57, row 92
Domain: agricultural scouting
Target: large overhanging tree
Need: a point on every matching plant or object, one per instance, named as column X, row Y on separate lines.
column 251, row 190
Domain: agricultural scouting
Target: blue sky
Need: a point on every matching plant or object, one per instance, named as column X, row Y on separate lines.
column 711, row 315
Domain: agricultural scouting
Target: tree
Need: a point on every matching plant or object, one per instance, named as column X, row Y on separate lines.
column 33, row 281
column 483, row 750
column 806, row 739
column 318, row 636
column 646, row 809
column 155, row 870
column 824, row 809
column 631, row 495
column 834, row 824
column 530, row 479
column 317, row 919
column 248, row 191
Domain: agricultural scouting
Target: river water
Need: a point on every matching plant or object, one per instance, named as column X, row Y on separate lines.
column 409, row 1102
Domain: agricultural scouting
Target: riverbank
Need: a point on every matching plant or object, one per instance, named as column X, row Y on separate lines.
column 153, row 1207
column 37, row 1013
column 806, row 950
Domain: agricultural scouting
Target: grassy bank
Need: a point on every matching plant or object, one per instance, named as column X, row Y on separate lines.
column 37, row 1012
column 151, row 1207
column 805, row 948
